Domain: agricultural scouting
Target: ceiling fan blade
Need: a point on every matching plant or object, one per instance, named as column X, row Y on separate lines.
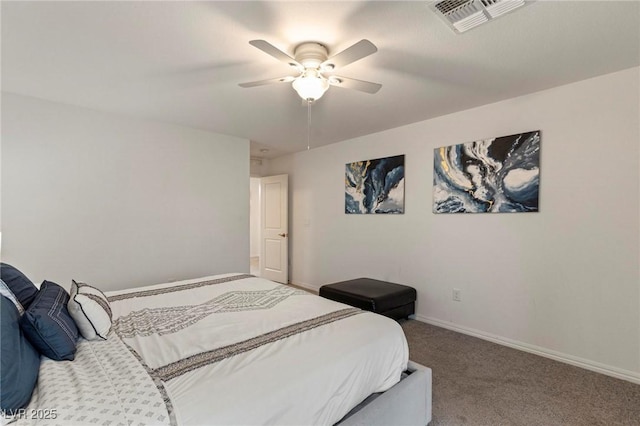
column 351, row 54
column 352, row 83
column 270, row 49
column 287, row 79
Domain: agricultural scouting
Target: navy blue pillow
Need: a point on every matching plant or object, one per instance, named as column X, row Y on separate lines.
column 19, row 284
column 48, row 325
column 19, row 363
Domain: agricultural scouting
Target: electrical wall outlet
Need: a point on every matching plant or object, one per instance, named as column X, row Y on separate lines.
column 457, row 294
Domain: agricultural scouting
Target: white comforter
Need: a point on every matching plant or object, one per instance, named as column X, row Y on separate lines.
column 242, row 350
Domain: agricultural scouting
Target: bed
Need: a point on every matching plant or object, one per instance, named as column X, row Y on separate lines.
column 234, row 349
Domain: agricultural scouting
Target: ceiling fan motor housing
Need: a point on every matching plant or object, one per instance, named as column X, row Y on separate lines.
column 311, row 54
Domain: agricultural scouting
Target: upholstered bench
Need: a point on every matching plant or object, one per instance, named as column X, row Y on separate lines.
column 392, row 300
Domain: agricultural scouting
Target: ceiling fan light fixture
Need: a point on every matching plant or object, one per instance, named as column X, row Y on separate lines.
column 311, row 85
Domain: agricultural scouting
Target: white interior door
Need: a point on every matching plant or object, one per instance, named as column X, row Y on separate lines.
column 274, row 204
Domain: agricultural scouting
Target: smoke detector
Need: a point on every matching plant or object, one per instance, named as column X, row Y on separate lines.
column 462, row 15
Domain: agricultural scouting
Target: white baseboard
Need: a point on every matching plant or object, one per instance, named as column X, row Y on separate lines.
column 618, row 373
column 608, row 370
column 306, row 286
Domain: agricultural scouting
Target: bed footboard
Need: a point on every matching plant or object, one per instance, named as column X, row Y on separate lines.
column 406, row 403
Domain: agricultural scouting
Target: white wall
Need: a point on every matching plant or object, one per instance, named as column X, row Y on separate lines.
column 563, row 282
column 258, row 167
column 119, row 202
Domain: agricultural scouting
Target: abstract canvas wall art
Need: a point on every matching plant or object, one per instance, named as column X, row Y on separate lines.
column 375, row 186
column 494, row 175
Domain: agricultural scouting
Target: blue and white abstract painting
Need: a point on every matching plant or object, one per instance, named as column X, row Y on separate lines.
column 375, row 186
column 494, row 175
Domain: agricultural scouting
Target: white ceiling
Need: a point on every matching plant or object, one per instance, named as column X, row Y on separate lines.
column 181, row 62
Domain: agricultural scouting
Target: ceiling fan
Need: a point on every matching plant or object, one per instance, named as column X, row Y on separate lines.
column 315, row 68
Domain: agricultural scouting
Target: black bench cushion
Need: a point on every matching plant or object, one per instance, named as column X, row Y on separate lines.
column 369, row 294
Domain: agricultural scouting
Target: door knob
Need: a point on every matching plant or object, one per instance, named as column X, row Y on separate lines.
column 284, row 234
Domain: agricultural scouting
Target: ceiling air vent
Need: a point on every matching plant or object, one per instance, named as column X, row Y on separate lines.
column 462, row 15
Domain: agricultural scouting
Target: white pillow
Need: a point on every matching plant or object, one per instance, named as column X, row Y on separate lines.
column 6, row 292
column 90, row 309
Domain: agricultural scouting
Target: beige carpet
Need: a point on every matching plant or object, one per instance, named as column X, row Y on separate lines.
column 476, row 382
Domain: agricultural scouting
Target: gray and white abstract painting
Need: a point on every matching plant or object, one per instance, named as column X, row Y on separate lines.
column 494, row 175
column 375, row 186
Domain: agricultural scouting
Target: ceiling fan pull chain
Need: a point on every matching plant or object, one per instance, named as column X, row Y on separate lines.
column 308, row 122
